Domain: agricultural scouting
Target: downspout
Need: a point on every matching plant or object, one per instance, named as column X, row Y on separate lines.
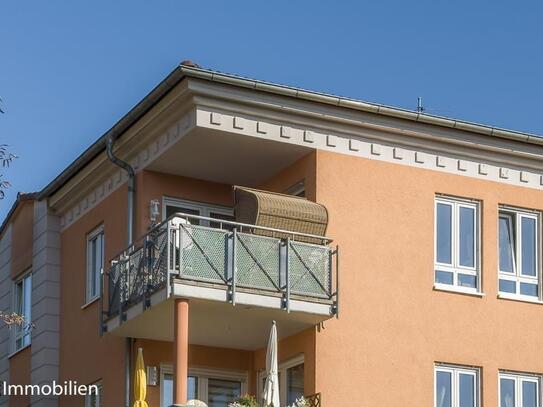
column 129, row 236
column 131, row 185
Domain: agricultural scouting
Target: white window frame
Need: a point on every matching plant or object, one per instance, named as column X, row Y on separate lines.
column 455, row 268
column 100, row 395
column 455, row 371
column 282, row 371
column 89, row 296
column 298, row 189
column 515, row 216
column 519, row 378
column 22, row 332
column 203, row 375
column 204, row 209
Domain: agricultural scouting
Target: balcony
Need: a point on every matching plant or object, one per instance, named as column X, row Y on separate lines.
column 236, row 275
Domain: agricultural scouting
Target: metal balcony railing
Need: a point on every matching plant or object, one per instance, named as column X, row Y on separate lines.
column 235, row 255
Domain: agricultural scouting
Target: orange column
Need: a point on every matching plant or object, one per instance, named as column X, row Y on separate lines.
column 181, row 350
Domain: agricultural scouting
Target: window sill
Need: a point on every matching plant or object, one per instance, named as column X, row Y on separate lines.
column 90, row 302
column 511, row 297
column 19, row 350
column 457, row 290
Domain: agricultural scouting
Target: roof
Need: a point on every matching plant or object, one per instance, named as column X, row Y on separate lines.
column 21, row 197
column 188, row 69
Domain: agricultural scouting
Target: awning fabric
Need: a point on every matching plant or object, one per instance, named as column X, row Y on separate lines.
column 280, row 211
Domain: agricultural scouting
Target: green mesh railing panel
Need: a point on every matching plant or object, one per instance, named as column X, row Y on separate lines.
column 309, row 269
column 202, row 253
column 257, row 261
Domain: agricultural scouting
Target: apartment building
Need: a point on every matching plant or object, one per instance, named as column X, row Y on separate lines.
column 399, row 253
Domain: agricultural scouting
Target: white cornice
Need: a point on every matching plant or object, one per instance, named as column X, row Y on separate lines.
column 197, row 103
column 295, row 112
column 490, row 166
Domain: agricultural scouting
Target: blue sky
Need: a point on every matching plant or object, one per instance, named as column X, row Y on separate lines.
column 69, row 70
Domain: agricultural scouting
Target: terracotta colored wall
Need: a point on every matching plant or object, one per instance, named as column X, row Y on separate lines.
column 84, row 355
column 156, row 352
column 393, row 326
column 21, row 250
column 305, row 169
column 19, row 373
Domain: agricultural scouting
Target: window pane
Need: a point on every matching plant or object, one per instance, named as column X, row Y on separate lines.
column 508, row 286
column 27, row 307
column 506, row 245
column 467, row 280
column 528, row 250
column 99, row 262
column 443, row 389
column 167, row 390
column 444, row 229
column 444, row 277
column 507, row 393
column 222, row 392
column 528, row 289
column 192, row 392
column 467, row 390
column 529, row 394
column 467, row 237
column 295, row 383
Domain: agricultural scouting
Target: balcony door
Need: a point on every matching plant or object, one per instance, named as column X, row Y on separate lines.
column 171, row 206
column 217, row 388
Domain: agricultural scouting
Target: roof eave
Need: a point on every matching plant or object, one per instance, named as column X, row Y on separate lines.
column 182, row 71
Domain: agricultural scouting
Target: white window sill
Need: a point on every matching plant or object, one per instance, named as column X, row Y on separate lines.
column 19, row 350
column 90, row 302
column 513, row 297
column 457, row 290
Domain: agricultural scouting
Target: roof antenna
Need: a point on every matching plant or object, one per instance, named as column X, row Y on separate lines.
column 420, row 108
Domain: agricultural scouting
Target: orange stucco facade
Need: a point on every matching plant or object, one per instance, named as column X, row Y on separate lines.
column 393, row 325
column 392, row 322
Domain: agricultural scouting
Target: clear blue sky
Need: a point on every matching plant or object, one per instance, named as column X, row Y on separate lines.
column 69, row 70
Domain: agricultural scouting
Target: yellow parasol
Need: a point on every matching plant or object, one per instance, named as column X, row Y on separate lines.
column 140, row 382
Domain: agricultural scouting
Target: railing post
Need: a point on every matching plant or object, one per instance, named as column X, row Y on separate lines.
column 336, row 303
column 125, row 287
column 147, row 273
column 286, row 299
column 170, row 261
column 102, row 325
column 232, row 293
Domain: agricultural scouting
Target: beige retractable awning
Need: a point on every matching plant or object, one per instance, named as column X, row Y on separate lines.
column 279, row 211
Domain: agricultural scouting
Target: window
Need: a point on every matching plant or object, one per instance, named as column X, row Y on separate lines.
column 457, row 244
column 297, row 189
column 291, row 381
column 94, row 399
column 22, row 306
column 216, row 388
column 295, row 383
column 172, row 206
column 95, row 262
column 519, row 390
column 518, row 241
column 456, row 386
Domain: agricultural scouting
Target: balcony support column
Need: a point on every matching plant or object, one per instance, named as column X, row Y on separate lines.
column 181, row 351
